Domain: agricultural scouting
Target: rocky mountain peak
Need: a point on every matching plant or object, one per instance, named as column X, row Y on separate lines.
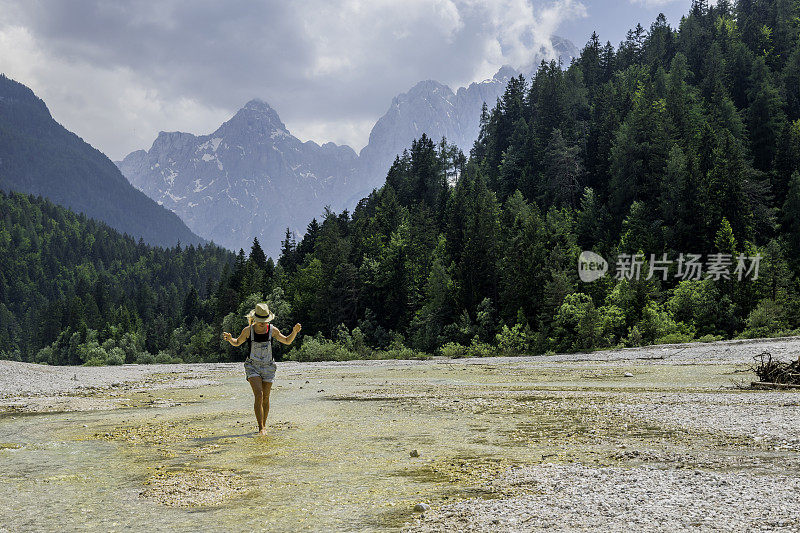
column 255, row 117
column 429, row 87
column 257, row 104
column 506, row 72
column 172, row 140
column 252, row 178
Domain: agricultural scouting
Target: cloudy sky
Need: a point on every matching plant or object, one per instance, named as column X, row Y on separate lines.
column 118, row 72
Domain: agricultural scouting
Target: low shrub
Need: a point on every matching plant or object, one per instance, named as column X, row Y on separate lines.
column 116, row 356
column 514, row 341
column 710, row 338
column 453, row 350
column 675, row 338
column 145, row 358
column 165, row 358
column 477, row 348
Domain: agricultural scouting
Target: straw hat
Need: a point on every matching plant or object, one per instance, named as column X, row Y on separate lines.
column 261, row 314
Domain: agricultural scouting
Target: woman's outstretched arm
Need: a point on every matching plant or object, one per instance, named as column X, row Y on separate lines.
column 286, row 340
column 242, row 336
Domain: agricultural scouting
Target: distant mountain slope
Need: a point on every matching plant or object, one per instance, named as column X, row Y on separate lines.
column 435, row 109
column 428, row 107
column 250, row 178
column 39, row 156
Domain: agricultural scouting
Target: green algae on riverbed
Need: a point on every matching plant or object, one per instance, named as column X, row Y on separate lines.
column 337, row 453
column 192, row 488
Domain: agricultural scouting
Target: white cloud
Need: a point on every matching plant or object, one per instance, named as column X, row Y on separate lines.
column 116, row 74
column 110, row 108
column 518, row 32
column 353, row 34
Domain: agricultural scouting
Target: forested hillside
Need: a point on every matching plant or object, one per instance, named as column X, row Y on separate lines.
column 681, row 140
column 85, row 293
column 40, row 157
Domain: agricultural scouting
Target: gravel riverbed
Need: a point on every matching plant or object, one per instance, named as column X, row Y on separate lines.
column 580, row 498
column 660, row 438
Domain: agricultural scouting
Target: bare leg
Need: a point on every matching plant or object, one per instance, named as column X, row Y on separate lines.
column 266, row 388
column 258, row 406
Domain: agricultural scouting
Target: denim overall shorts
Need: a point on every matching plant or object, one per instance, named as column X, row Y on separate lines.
column 260, row 361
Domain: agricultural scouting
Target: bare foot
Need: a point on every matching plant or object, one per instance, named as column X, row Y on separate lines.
column 262, row 432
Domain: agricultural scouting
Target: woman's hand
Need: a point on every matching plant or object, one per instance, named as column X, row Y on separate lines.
column 227, row 336
column 296, row 329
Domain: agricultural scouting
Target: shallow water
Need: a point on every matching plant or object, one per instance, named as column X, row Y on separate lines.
column 337, row 454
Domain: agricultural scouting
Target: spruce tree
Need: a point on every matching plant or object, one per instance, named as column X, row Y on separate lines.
column 257, row 255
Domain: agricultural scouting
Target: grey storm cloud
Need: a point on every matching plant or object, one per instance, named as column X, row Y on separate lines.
column 118, row 72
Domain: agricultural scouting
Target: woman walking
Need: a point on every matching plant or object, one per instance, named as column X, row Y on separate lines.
column 260, row 366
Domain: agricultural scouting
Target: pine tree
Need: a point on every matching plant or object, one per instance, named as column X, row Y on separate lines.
column 521, row 276
column 590, row 63
column 479, row 147
column 678, row 203
column 563, row 173
column 639, row 154
column 749, row 23
column 660, row 44
column 516, row 172
column 607, row 62
column 791, row 83
column 678, row 100
column 765, row 115
column 288, row 259
column 725, row 196
column 308, row 241
column 472, row 234
column 257, row 255
column 428, row 179
column 439, row 300
column 790, row 222
column 787, row 159
column 191, row 306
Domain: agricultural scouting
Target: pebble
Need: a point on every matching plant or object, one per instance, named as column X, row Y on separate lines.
column 422, row 507
column 615, row 499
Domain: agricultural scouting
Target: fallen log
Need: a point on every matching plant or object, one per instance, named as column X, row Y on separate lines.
column 770, row 385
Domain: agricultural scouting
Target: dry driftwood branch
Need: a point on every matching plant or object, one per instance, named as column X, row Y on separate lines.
column 768, row 385
column 772, row 372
